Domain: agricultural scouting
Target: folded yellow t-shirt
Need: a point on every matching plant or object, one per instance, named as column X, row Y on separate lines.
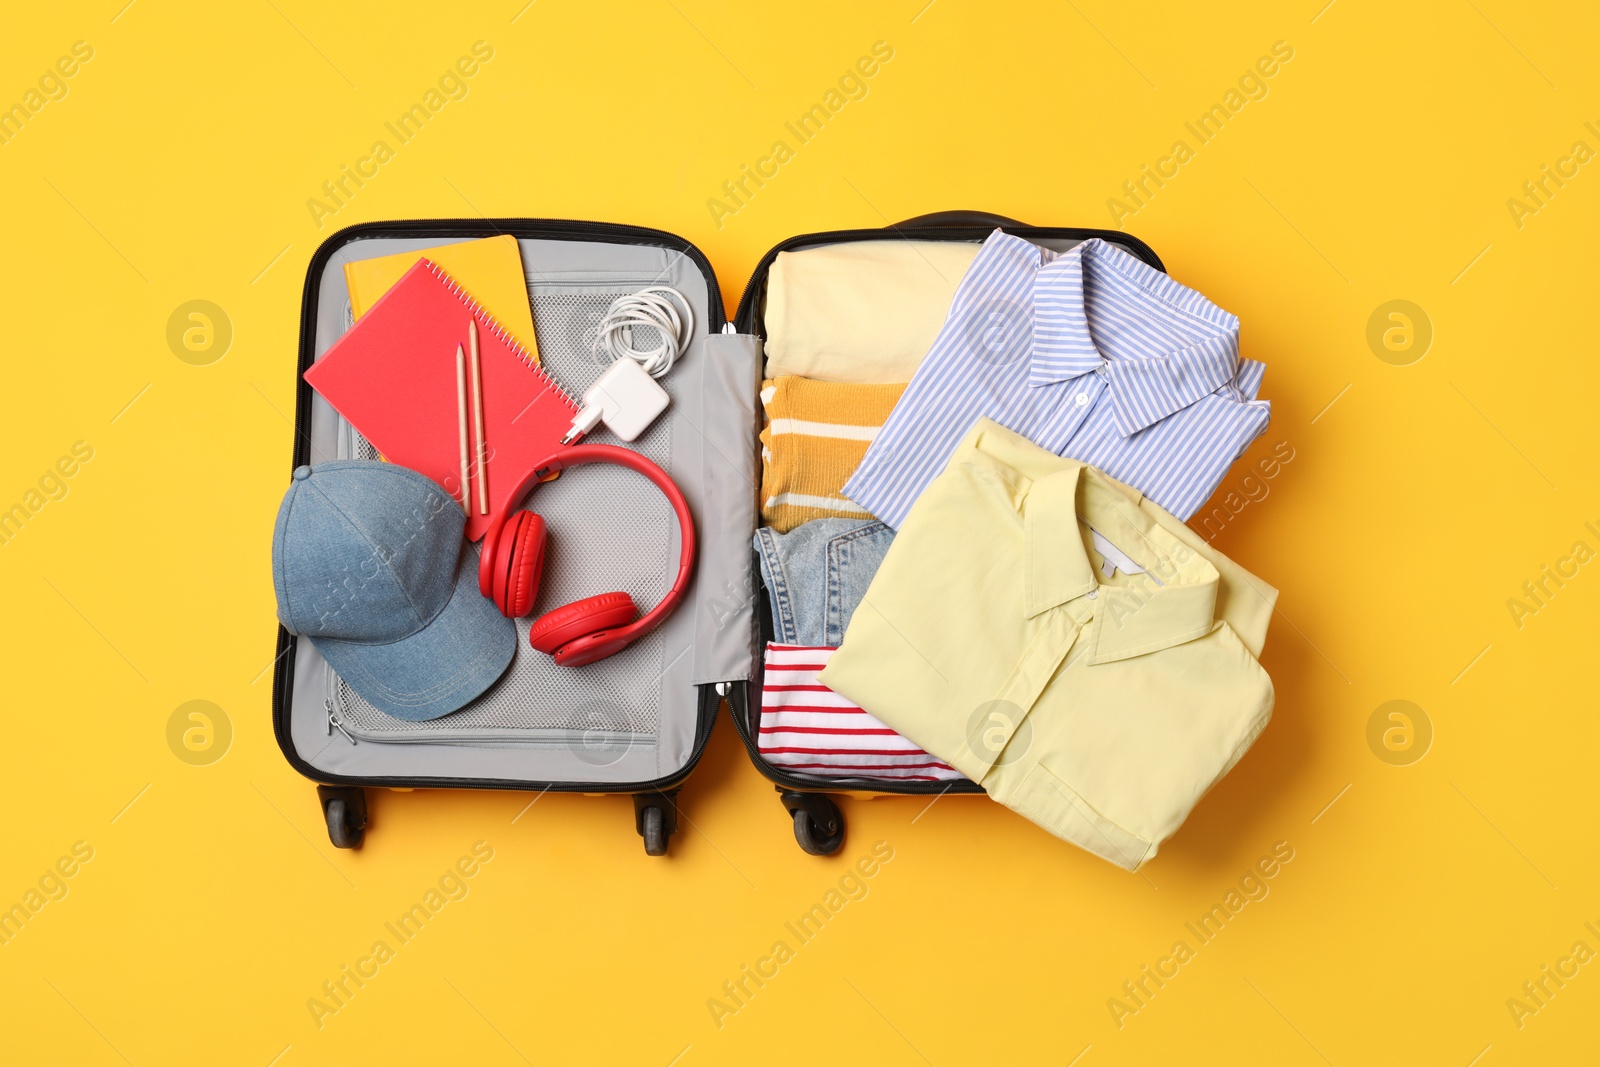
column 861, row 312
column 813, row 440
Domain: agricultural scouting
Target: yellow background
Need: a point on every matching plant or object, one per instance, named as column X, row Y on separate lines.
column 1377, row 167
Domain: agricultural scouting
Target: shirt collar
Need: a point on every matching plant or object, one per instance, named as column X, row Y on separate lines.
column 1147, row 382
column 1172, row 602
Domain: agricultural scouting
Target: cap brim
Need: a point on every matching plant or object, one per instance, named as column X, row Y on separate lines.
column 438, row 669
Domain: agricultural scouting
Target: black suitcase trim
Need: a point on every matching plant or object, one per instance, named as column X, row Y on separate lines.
column 535, row 229
column 963, row 226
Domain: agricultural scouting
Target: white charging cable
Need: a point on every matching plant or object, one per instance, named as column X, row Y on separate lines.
column 626, row 397
column 658, row 307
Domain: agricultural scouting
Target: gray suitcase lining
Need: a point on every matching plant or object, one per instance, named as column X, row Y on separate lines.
column 632, row 717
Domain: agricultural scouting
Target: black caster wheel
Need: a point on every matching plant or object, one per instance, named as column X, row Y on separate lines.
column 655, row 816
column 653, row 828
column 345, row 809
column 818, row 823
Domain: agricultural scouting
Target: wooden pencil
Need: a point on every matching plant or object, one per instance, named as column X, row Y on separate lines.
column 461, row 410
column 477, row 420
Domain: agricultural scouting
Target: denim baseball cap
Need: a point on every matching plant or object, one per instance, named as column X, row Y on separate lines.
column 369, row 562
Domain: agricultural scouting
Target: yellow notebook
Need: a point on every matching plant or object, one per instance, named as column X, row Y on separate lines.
column 490, row 270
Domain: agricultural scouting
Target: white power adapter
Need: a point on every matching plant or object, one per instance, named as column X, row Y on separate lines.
column 625, row 398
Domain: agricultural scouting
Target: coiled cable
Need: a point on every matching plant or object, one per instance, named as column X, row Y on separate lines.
column 658, row 307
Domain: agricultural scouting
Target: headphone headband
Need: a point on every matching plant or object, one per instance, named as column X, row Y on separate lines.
column 579, row 455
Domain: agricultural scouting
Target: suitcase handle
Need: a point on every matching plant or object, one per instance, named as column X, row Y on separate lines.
column 960, row 218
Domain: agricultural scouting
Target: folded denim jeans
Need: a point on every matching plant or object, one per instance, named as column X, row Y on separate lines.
column 817, row 573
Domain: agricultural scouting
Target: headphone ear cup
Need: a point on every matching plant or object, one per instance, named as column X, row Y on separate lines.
column 486, row 556
column 518, row 564
column 525, row 568
column 589, row 615
column 499, row 563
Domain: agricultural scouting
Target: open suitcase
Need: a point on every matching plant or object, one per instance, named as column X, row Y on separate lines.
column 638, row 722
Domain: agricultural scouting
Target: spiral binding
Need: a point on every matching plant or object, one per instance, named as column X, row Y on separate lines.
column 477, row 311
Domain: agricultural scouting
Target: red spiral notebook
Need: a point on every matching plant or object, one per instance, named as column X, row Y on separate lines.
column 393, row 376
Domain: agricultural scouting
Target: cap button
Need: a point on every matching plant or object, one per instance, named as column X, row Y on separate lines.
column 301, row 473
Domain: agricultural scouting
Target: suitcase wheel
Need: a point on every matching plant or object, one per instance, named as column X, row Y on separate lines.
column 345, row 809
column 655, row 816
column 653, row 829
column 818, row 822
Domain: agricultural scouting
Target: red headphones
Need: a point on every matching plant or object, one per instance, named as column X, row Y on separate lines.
column 595, row 627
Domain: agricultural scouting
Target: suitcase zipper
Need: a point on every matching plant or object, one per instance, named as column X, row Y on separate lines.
column 546, row 738
column 572, row 739
column 333, row 721
column 586, row 738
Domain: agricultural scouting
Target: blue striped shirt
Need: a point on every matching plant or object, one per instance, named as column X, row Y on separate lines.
column 1090, row 353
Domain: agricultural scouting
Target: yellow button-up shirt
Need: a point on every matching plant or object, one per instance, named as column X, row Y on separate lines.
column 1072, row 647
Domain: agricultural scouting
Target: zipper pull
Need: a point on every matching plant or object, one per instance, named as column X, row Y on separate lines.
column 334, row 723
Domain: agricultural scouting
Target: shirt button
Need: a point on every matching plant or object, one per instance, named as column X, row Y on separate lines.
column 1083, row 398
column 1093, row 593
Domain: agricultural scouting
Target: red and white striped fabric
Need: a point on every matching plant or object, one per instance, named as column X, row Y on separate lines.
column 807, row 727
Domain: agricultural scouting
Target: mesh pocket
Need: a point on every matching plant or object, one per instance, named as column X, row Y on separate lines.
column 609, row 529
